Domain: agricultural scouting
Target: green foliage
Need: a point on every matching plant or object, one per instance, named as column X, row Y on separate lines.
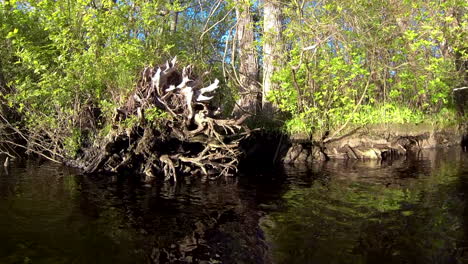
column 347, row 62
column 154, row 114
column 447, row 117
column 130, row 122
column 366, row 62
column 387, row 113
column 320, row 94
column 62, row 58
column 72, row 143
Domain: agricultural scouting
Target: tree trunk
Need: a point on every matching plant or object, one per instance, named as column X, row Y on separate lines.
column 272, row 49
column 249, row 90
column 174, row 21
column 3, row 86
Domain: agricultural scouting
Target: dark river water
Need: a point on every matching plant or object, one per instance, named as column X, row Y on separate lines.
column 411, row 210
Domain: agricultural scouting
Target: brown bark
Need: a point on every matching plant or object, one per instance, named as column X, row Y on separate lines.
column 249, row 90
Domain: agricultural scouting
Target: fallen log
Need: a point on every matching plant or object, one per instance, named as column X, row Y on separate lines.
column 191, row 140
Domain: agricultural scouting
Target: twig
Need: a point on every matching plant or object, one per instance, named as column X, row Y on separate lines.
column 8, row 154
column 215, row 24
column 352, row 114
column 37, row 152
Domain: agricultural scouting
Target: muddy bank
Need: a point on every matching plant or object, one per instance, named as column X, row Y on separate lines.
column 376, row 142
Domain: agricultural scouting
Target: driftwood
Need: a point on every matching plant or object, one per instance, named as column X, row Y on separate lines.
column 192, row 140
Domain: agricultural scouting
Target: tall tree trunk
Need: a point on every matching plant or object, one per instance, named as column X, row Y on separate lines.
column 249, row 90
column 272, row 50
column 174, row 21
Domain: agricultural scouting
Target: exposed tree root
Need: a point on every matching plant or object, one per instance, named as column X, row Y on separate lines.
column 193, row 140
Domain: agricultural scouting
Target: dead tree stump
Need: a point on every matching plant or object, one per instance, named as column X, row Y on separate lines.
column 193, row 140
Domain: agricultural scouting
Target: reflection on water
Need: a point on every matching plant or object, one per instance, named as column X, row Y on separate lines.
column 408, row 211
column 405, row 211
column 50, row 214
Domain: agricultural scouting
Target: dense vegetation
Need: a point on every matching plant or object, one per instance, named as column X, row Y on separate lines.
column 313, row 65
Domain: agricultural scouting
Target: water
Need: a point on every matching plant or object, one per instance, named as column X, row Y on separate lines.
column 412, row 210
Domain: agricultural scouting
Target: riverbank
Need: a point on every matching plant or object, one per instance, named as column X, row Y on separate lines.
column 378, row 142
column 372, row 142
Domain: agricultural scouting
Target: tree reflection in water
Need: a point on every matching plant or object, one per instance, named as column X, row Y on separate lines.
column 403, row 211
column 410, row 211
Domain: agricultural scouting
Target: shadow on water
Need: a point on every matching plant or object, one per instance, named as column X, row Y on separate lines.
column 404, row 211
column 50, row 214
